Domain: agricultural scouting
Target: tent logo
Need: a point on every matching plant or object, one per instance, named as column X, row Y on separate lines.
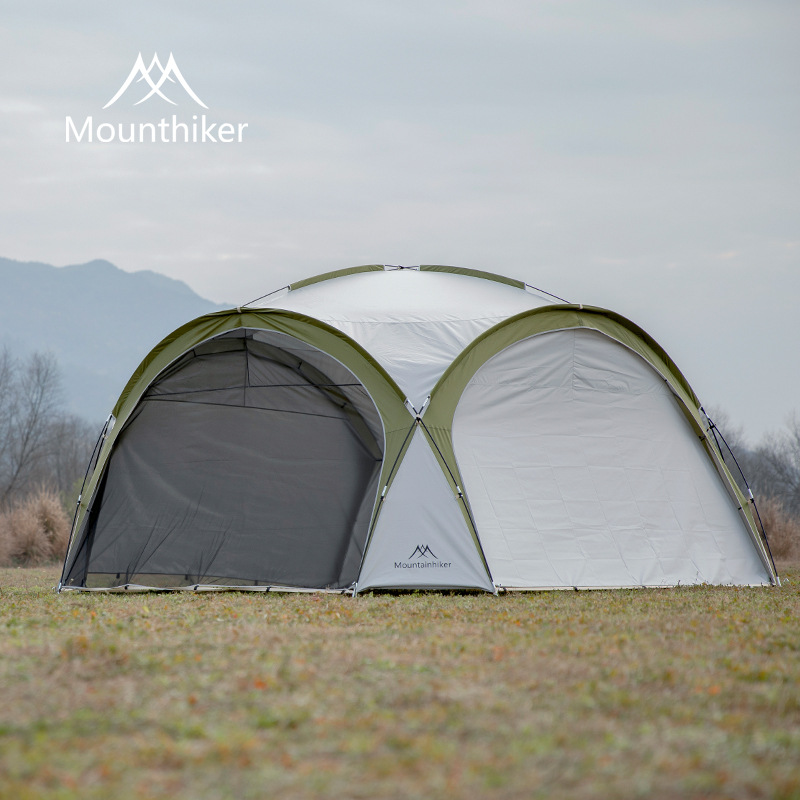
column 421, row 558
column 169, row 73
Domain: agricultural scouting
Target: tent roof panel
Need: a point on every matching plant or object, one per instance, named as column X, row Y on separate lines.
column 409, row 295
column 413, row 321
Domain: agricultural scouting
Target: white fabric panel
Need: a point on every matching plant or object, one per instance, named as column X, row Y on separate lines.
column 414, row 323
column 581, row 470
column 421, row 539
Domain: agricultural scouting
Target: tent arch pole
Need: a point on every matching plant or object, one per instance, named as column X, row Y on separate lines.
column 385, row 482
column 92, row 459
column 465, row 507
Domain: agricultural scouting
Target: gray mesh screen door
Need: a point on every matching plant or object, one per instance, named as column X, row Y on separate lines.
column 252, row 461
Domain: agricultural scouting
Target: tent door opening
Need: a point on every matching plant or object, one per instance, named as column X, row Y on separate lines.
column 252, row 460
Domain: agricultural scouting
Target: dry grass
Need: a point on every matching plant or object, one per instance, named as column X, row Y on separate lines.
column 35, row 531
column 691, row 692
column 783, row 529
column 5, row 542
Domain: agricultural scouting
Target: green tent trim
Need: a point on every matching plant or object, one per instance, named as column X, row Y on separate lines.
column 474, row 273
column 471, row 273
column 337, row 273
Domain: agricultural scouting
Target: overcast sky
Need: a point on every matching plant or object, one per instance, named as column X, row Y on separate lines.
column 638, row 156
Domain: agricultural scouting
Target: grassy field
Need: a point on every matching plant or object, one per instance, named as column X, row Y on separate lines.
column 692, row 692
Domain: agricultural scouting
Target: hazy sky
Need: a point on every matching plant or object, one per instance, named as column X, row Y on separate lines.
column 639, row 156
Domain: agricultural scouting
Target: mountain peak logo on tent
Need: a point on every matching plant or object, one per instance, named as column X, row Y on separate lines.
column 167, row 74
column 422, row 557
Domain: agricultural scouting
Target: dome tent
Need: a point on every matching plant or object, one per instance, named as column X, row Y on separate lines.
column 426, row 427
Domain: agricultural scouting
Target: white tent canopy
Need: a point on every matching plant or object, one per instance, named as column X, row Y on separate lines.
column 411, row 428
column 414, row 322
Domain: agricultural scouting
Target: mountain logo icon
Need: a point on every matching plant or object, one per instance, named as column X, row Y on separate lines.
column 423, row 558
column 422, row 551
column 169, row 73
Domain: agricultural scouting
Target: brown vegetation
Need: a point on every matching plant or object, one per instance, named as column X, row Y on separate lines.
column 782, row 528
column 34, row 531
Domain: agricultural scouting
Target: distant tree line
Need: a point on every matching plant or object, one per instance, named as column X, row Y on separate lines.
column 771, row 467
column 771, row 470
column 775, row 466
column 44, row 451
column 41, row 444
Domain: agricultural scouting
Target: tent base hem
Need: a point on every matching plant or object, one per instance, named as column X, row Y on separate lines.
column 506, row 589
column 199, row 587
column 409, row 589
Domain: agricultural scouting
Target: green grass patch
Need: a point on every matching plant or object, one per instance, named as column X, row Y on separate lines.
column 691, row 692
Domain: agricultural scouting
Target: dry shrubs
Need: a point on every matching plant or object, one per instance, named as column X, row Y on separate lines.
column 35, row 531
column 783, row 529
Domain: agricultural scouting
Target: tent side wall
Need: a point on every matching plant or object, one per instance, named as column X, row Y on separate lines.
column 383, row 392
column 439, row 418
column 420, row 538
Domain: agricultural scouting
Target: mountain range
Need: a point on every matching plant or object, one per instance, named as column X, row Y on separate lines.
column 98, row 320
